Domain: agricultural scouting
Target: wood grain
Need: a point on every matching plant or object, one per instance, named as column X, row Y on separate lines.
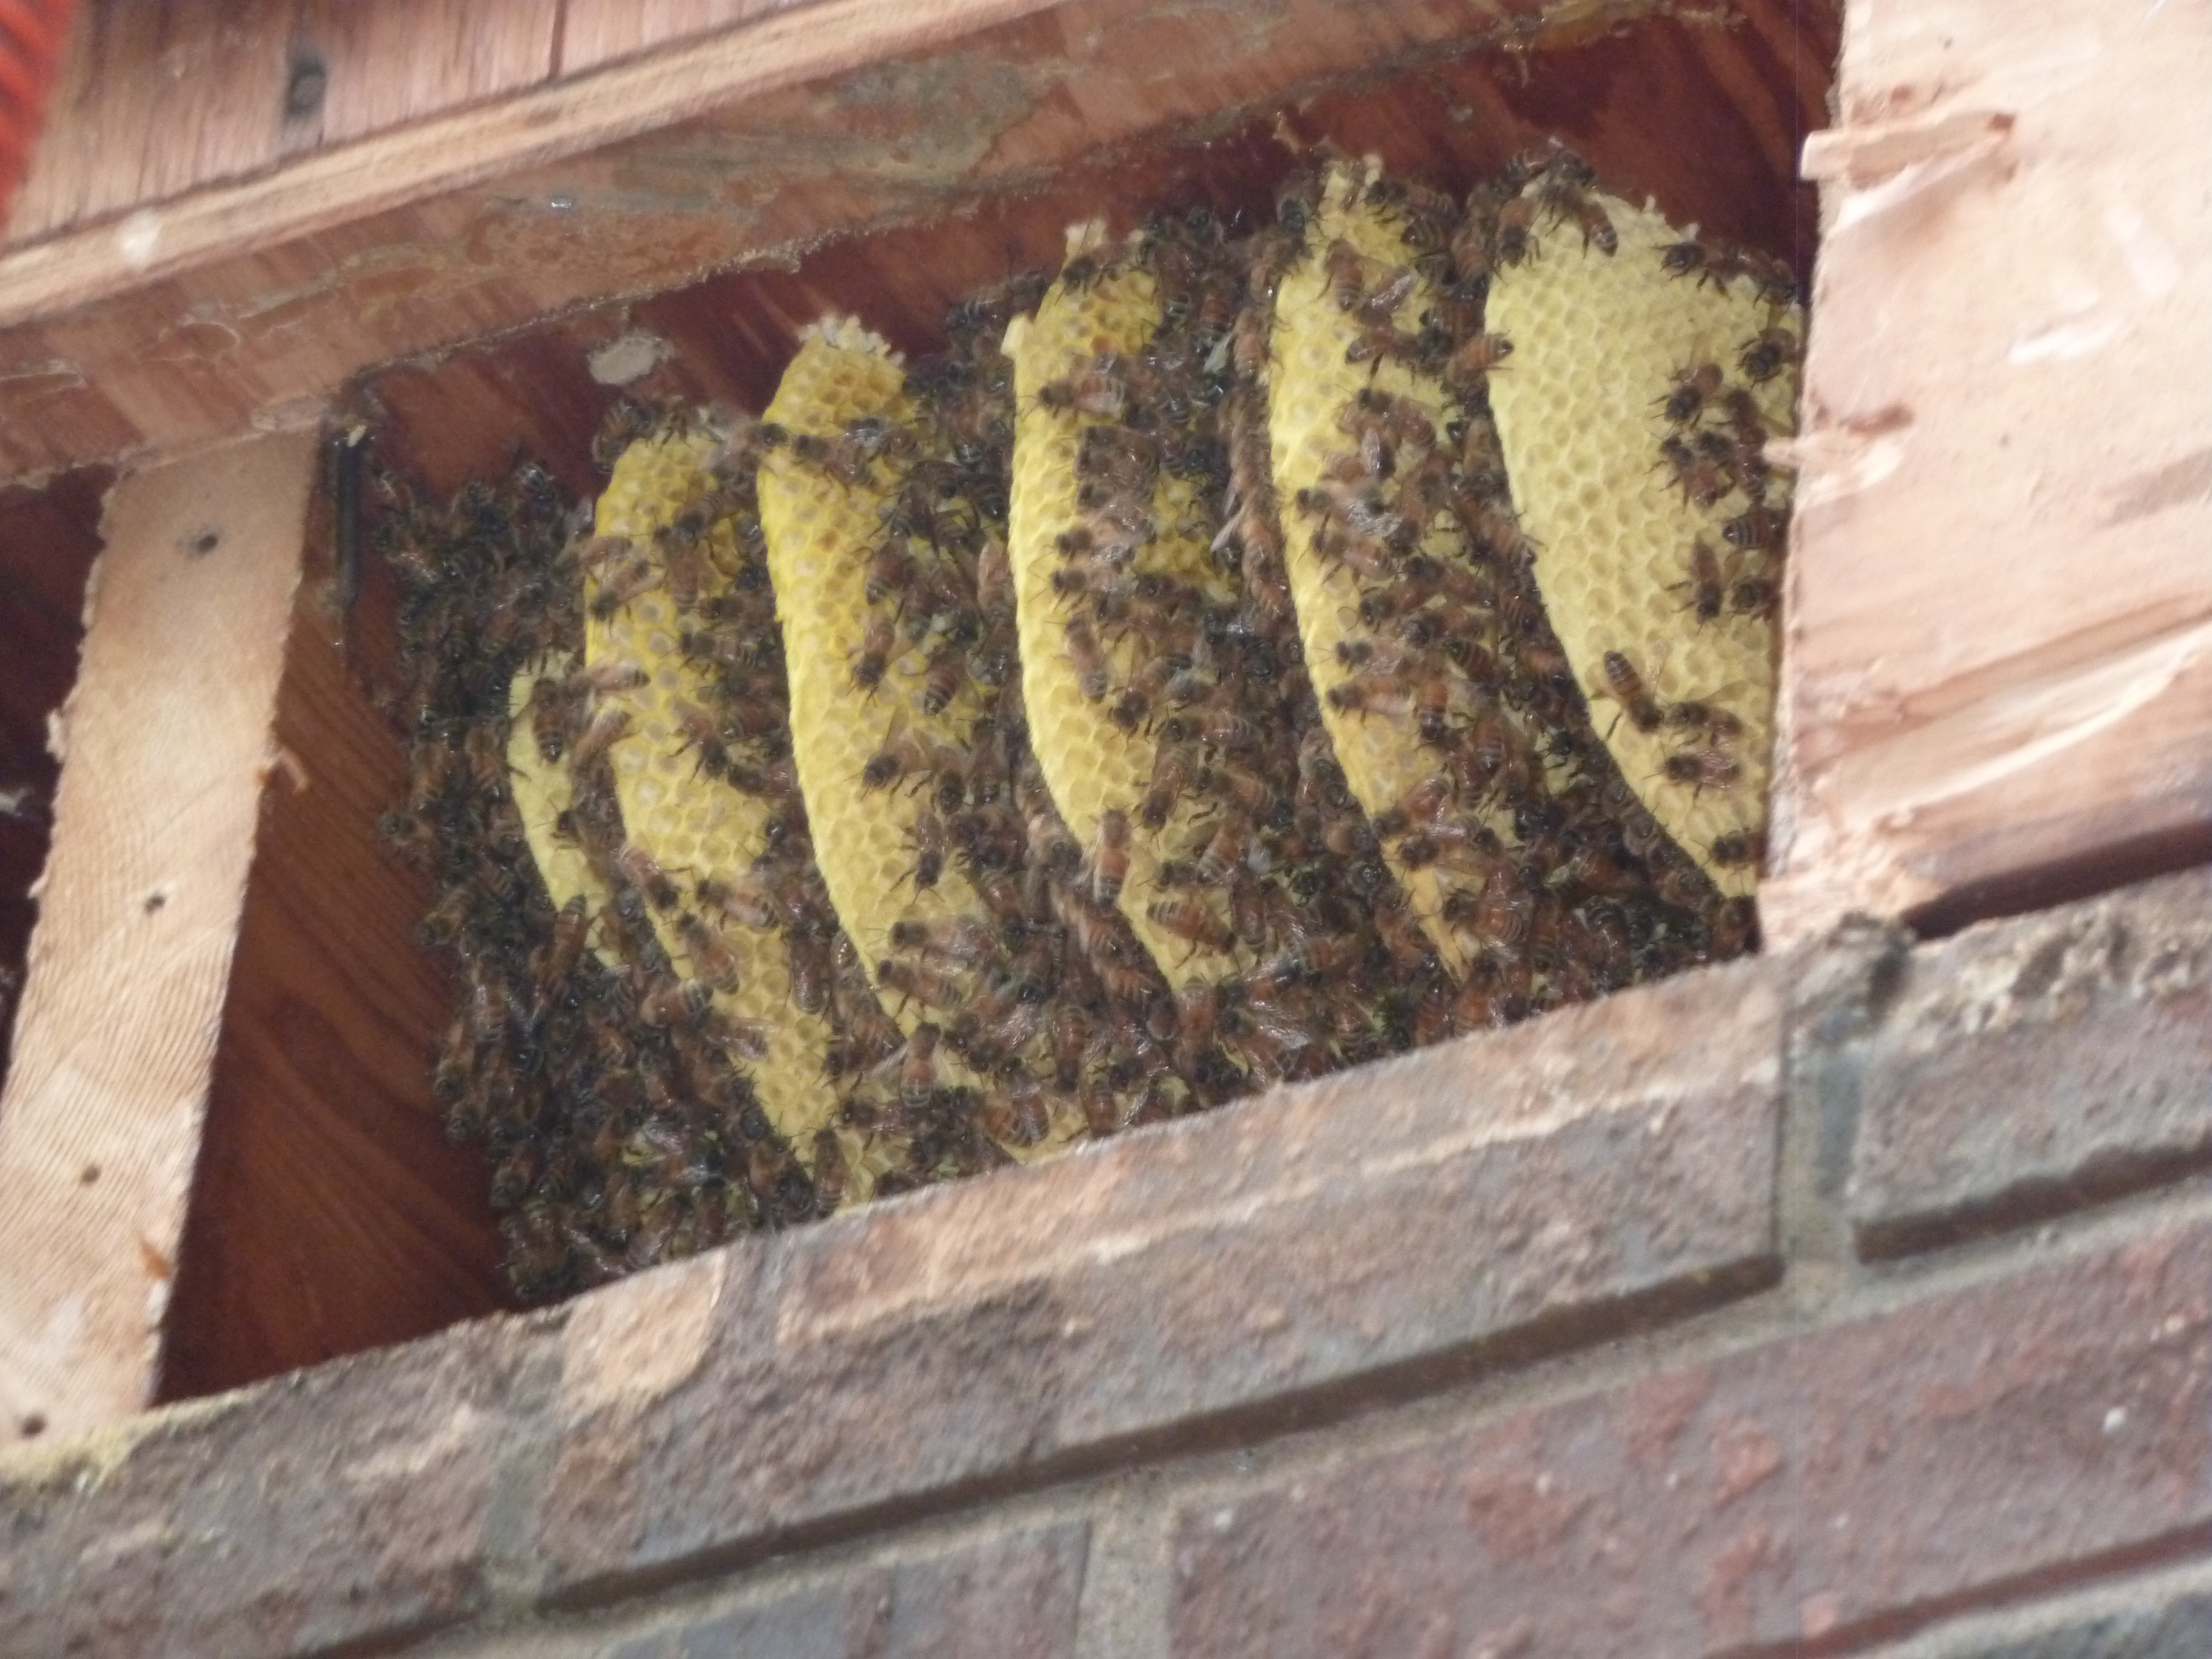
column 168, row 741
column 594, row 33
column 155, row 98
column 1996, row 688
column 811, row 124
column 330, row 1212
column 401, row 61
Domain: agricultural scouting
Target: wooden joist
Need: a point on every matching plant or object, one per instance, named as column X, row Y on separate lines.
column 1997, row 685
column 168, row 741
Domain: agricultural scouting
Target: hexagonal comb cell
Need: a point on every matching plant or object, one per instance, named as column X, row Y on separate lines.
column 1645, row 382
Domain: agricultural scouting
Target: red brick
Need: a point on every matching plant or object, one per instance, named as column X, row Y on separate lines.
column 1012, row 1597
column 337, row 1505
column 2034, row 1066
column 1490, row 1195
column 1905, row 1460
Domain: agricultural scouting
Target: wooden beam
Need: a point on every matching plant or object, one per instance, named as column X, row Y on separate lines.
column 192, row 319
column 459, row 148
column 1997, row 683
column 166, row 741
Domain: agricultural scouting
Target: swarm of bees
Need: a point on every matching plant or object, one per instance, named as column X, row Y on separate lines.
column 967, row 757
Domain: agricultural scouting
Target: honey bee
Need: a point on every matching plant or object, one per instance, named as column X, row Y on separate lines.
column 607, row 727
column 1095, row 390
column 1704, row 582
column 1514, row 238
column 1469, row 252
column 1110, row 856
column 1190, row 919
column 1704, row 769
column 745, row 901
column 608, row 675
column 748, row 1039
column 946, row 671
column 1468, row 363
column 597, row 554
column 1347, row 271
column 1093, row 670
column 844, row 458
column 1753, row 596
column 643, row 871
column 712, row 959
column 1627, row 687
column 1595, row 226
column 683, row 1003
column 549, row 713
column 933, row 987
column 1767, row 355
column 960, row 941
column 830, row 1173
column 1760, row 529
column 907, row 754
column 1693, row 388
column 1714, row 721
column 1171, row 773
column 1370, row 692
column 926, row 835
column 1690, row 258
column 571, row 926
column 1378, row 343
column 1224, row 850
column 1700, row 479
column 874, row 658
column 1739, row 847
column 621, row 585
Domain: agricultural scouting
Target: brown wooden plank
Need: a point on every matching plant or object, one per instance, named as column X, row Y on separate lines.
column 329, row 1214
column 402, row 60
column 263, row 323
column 167, row 740
column 595, row 32
column 156, row 98
column 1999, row 651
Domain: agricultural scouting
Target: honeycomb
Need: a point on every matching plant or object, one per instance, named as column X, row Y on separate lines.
column 1581, row 412
column 1311, row 383
column 690, row 823
column 1289, row 649
column 542, row 792
column 822, row 530
column 820, row 533
column 1091, row 764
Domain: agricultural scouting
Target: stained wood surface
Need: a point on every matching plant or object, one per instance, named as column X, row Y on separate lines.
column 1998, row 672
column 753, row 143
column 48, row 540
column 167, row 742
column 331, row 1214
column 159, row 98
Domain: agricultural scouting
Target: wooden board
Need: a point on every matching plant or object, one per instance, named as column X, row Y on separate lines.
column 159, row 98
column 753, row 144
column 48, row 540
column 1998, row 672
column 330, row 1212
column 167, row 740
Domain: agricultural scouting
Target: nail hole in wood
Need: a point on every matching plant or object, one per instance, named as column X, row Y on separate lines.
column 33, row 1424
column 204, row 543
column 88, row 1175
column 304, row 88
column 155, row 900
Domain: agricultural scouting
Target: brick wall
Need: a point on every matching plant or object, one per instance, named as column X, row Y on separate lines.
column 1854, row 1300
